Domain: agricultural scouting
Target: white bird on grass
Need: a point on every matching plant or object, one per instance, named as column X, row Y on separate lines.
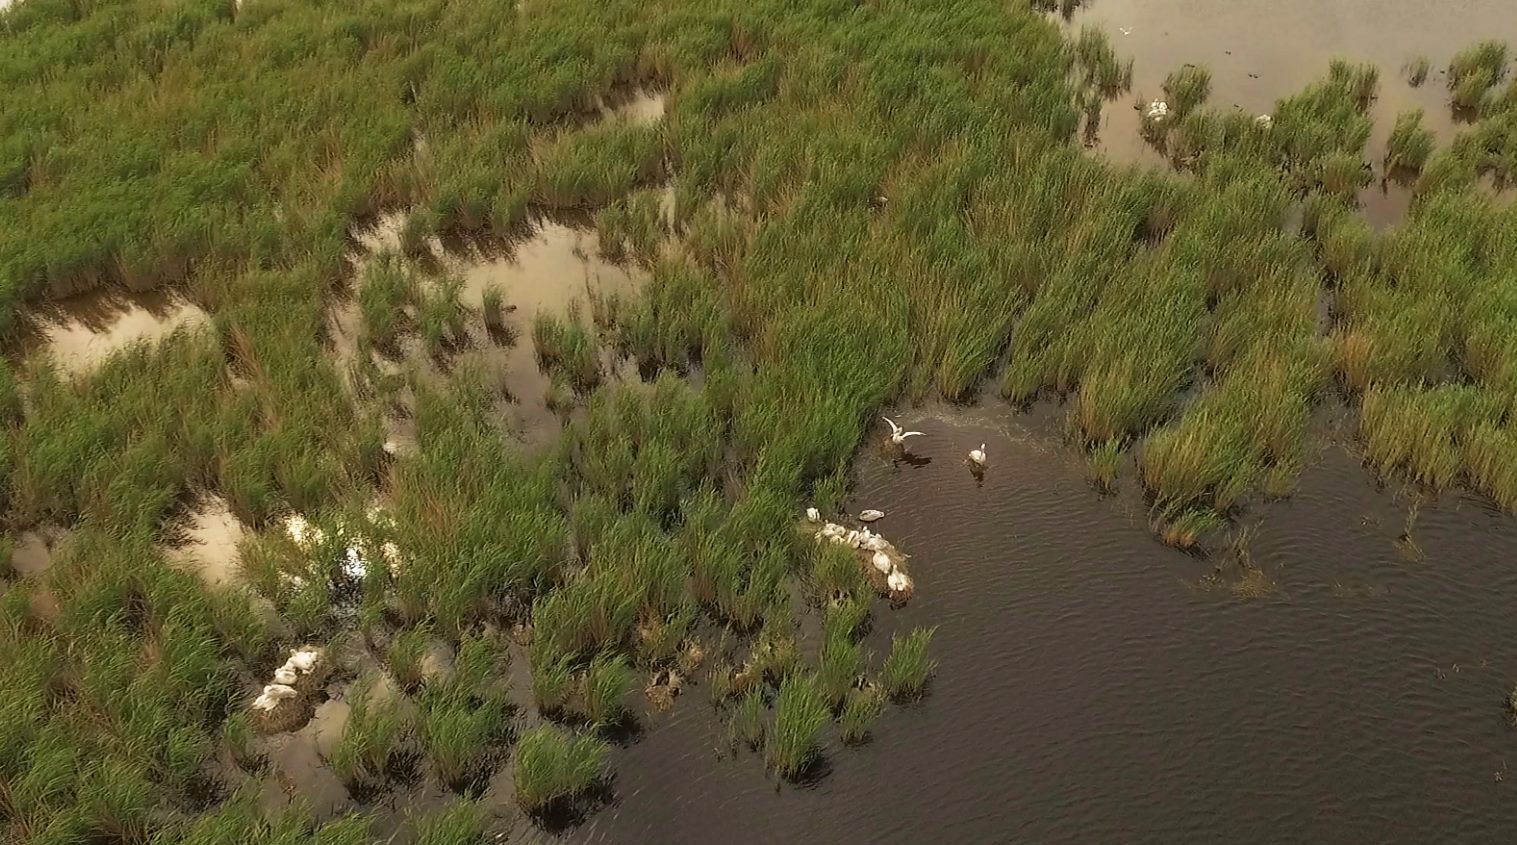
column 812, row 515
column 883, row 563
column 897, row 434
column 977, row 456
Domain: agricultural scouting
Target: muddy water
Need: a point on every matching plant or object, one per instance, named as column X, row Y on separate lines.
column 81, row 332
column 554, row 270
column 1259, row 51
column 209, row 544
column 1096, row 686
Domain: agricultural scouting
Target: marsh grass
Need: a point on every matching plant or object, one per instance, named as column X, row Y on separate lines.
column 607, row 682
column 405, row 654
column 748, row 719
column 1186, row 89
column 1417, row 70
column 459, row 822
column 553, row 766
column 461, row 733
column 493, row 309
column 1410, row 143
column 1102, row 462
column 552, row 683
column 907, row 667
column 863, row 706
column 800, row 712
column 1474, row 70
column 371, row 740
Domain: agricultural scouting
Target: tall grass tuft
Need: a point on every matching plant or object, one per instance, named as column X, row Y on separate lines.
column 1417, row 70
column 1474, row 70
column 1187, row 88
column 371, row 738
column 863, row 706
column 748, row 718
column 553, row 766
column 459, row 822
column 608, row 680
column 1410, row 143
column 800, row 711
column 907, row 667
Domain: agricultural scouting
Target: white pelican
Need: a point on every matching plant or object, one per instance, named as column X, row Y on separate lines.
column 812, row 515
column 876, row 543
column 871, row 515
column 977, row 456
column 1158, row 110
column 897, row 435
column 303, row 660
column 272, row 695
column 899, row 582
column 285, row 675
column 882, row 563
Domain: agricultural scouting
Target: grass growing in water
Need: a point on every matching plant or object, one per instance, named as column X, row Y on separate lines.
column 375, row 728
column 863, row 706
column 1410, row 143
column 907, row 667
column 800, row 711
column 553, row 766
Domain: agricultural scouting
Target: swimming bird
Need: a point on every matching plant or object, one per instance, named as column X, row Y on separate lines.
column 871, row 515
column 977, row 456
column 897, row 434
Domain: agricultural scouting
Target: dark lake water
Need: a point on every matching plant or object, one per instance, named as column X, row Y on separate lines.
column 1096, row 686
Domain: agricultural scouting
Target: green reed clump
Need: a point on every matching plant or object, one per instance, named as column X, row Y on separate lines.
column 440, row 315
column 634, row 226
column 1474, row 70
column 493, row 308
column 405, row 654
column 840, row 666
column 552, row 683
column 591, row 168
column 1187, row 88
column 863, row 706
column 608, row 680
column 459, row 822
column 371, row 739
column 553, row 766
column 907, row 666
column 1102, row 462
column 460, row 732
column 567, row 350
column 1417, row 70
column 800, row 711
column 1410, row 143
column 748, row 722
column 385, row 291
column 237, row 734
column 1342, row 174
column 1184, row 529
column 1103, row 72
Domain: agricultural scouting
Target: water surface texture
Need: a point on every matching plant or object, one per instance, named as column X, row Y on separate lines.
column 1096, row 686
